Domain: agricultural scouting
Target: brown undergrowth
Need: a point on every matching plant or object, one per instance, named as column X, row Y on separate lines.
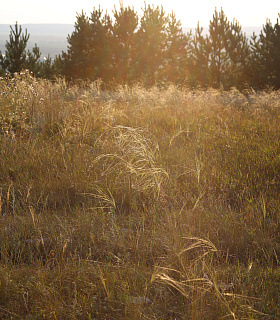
column 138, row 203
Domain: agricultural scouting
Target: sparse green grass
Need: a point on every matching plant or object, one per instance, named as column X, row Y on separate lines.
column 138, row 204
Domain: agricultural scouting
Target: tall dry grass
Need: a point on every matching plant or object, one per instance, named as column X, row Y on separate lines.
column 138, row 204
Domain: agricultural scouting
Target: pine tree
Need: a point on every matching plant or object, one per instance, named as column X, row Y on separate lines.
column 16, row 57
column 48, row 68
column 32, row 62
column 219, row 59
column 57, row 67
column 239, row 53
column 151, row 45
column 177, row 52
column 199, row 60
column 265, row 58
column 123, row 45
column 15, row 54
column 75, row 64
column 228, row 52
column 101, row 45
column 89, row 53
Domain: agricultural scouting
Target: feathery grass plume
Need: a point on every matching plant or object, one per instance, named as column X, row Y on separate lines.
column 195, row 278
column 128, row 165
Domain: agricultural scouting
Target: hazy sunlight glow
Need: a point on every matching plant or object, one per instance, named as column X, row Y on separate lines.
column 247, row 13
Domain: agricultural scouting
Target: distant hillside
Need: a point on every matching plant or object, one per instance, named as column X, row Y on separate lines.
column 52, row 38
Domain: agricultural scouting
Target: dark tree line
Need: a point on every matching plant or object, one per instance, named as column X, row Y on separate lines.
column 153, row 49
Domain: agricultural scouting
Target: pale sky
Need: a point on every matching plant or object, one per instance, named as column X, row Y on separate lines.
column 246, row 12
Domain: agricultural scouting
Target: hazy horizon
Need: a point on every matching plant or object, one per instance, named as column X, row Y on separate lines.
column 52, row 38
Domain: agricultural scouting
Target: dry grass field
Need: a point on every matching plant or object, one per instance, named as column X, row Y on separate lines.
column 136, row 203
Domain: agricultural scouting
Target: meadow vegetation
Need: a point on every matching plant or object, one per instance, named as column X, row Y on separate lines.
column 135, row 203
